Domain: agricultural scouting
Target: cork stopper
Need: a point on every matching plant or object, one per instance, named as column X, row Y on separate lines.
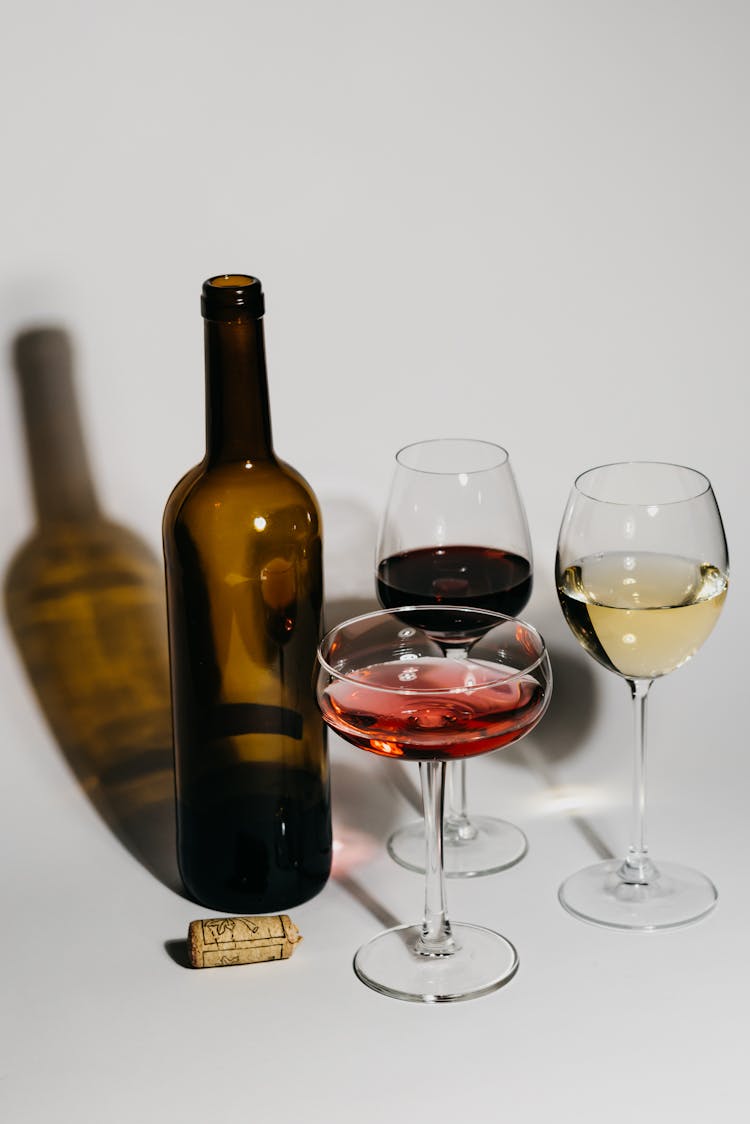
column 219, row 942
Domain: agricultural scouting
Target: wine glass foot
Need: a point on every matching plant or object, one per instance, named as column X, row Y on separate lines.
column 482, row 962
column 676, row 896
column 496, row 846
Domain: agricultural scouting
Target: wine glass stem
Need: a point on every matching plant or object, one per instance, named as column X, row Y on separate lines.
column 436, row 938
column 638, row 867
column 459, row 827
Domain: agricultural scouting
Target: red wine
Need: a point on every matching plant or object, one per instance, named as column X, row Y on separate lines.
column 477, row 577
column 432, row 708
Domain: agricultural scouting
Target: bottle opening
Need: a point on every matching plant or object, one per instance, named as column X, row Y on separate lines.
column 231, row 281
column 232, row 296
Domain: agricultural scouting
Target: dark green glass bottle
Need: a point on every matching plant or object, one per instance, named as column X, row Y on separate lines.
column 243, row 555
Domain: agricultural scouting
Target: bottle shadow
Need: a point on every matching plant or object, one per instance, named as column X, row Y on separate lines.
column 343, row 608
column 84, row 599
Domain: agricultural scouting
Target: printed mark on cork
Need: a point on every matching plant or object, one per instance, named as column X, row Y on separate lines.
column 219, row 942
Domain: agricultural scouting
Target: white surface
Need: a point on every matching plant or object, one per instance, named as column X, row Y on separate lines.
column 523, row 222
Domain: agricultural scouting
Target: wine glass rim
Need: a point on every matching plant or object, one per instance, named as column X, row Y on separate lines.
column 502, row 459
column 499, row 618
column 705, row 483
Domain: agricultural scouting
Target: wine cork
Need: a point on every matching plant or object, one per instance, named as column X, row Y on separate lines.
column 221, row 941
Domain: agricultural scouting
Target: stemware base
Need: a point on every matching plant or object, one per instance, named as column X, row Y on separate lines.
column 676, row 896
column 496, row 846
column 483, row 961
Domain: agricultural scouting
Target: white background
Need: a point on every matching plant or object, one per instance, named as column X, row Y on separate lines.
column 526, row 222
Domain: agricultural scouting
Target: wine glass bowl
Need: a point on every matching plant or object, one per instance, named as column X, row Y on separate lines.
column 392, row 690
column 454, row 532
column 642, row 572
column 386, row 686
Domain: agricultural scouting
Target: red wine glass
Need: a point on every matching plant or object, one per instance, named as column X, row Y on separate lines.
column 454, row 531
column 388, row 684
column 642, row 574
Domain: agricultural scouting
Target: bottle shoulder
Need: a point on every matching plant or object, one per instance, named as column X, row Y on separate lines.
column 182, row 490
column 296, row 479
column 245, row 493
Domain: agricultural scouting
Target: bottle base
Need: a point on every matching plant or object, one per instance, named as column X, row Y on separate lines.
column 255, row 847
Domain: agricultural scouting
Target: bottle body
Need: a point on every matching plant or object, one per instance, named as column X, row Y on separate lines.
column 243, row 556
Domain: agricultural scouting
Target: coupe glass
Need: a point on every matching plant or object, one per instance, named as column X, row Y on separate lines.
column 642, row 572
column 454, row 531
column 388, row 685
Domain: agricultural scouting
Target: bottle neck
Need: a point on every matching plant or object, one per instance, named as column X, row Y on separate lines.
column 63, row 487
column 238, row 419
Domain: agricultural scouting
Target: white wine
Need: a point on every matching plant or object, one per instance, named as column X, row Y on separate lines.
column 641, row 614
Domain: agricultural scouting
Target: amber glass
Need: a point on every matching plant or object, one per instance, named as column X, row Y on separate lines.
column 242, row 546
column 85, row 602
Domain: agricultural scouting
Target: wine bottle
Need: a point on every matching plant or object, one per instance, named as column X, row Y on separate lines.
column 243, row 557
column 85, row 601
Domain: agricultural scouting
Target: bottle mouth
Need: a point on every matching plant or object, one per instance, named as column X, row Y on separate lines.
column 231, row 281
column 232, row 296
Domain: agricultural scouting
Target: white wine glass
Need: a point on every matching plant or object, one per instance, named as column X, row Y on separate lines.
column 387, row 684
column 642, row 572
column 454, row 531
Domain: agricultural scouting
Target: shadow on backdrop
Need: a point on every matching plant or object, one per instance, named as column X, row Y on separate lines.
column 573, row 709
column 85, row 602
column 572, row 714
column 364, row 815
column 363, row 809
column 364, row 805
column 350, row 530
